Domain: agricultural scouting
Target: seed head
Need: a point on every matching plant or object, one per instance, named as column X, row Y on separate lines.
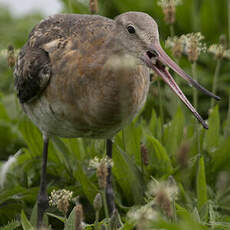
column 97, row 203
column 144, row 155
column 142, row 216
column 93, row 6
column 101, row 166
column 10, row 56
column 78, row 217
column 169, row 9
column 60, row 199
column 219, row 51
column 193, row 45
column 182, row 155
column 176, row 44
column 164, row 193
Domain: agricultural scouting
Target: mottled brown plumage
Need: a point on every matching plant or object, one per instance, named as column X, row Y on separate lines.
column 95, row 85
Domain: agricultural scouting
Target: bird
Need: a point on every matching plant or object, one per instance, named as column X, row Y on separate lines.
column 88, row 76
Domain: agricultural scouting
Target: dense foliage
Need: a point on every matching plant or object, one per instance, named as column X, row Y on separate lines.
column 168, row 172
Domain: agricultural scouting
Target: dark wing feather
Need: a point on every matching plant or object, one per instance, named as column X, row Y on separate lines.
column 32, row 73
column 47, row 44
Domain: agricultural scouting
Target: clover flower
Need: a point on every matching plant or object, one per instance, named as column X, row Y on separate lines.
column 169, row 9
column 60, row 198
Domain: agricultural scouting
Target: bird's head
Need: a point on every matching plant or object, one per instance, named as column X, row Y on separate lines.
column 137, row 32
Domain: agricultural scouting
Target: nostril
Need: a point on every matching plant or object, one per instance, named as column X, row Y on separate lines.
column 152, row 54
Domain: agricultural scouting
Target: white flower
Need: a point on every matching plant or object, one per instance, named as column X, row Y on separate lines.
column 143, row 213
column 194, row 45
column 97, row 162
column 170, row 189
column 219, row 51
column 60, row 198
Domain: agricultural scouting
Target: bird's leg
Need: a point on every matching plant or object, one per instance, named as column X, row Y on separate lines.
column 109, row 188
column 42, row 196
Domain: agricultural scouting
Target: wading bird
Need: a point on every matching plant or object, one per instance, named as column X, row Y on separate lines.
column 88, row 76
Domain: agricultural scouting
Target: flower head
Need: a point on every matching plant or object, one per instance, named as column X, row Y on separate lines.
column 164, row 194
column 10, row 56
column 193, row 45
column 144, row 155
column 169, row 9
column 93, row 6
column 219, row 51
column 97, row 203
column 101, row 165
column 78, row 217
column 176, row 44
column 143, row 215
column 60, row 198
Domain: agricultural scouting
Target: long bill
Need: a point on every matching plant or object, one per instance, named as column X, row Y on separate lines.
column 162, row 60
column 172, row 84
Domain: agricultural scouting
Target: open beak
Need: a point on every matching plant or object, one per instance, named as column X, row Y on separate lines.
column 157, row 60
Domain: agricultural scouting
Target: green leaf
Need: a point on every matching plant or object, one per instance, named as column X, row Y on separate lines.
column 62, row 219
column 26, row 225
column 180, row 211
column 70, row 223
column 132, row 141
column 32, row 136
column 201, row 187
column 174, row 134
column 11, row 225
column 159, row 159
column 212, row 135
column 127, row 175
column 221, row 157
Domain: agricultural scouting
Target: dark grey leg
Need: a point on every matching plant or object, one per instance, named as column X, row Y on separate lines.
column 42, row 196
column 109, row 188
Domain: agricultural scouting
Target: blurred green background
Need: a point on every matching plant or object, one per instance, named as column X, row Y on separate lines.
column 164, row 134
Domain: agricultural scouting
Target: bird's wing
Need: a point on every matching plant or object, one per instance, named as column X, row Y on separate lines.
column 52, row 39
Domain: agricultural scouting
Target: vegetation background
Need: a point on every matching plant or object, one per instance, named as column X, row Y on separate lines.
column 163, row 141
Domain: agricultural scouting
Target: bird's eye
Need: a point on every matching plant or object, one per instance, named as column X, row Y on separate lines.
column 131, row 29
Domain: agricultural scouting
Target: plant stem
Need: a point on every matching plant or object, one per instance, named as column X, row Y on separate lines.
column 214, row 85
column 96, row 221
column 171, row 28
column 228, row 2
column 105, row 207
column 70, row 6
